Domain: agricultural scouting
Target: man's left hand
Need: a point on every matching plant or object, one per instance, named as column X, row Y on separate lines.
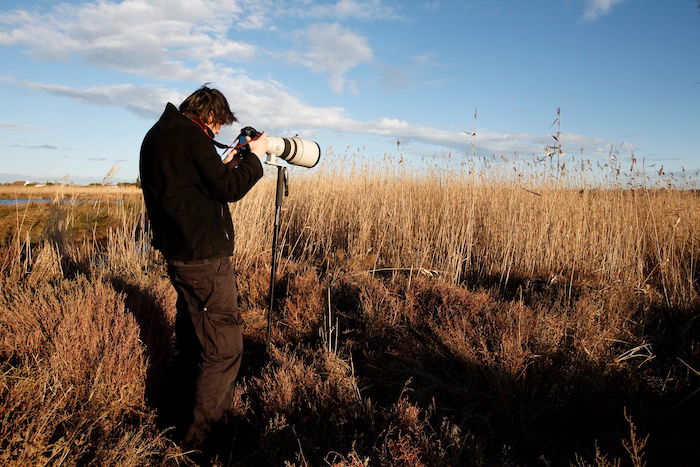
column 229, row 157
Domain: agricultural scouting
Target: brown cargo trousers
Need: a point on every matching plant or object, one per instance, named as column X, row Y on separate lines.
column 208, row 343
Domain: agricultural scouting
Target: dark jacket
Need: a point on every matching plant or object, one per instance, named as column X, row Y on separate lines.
column 186, row 188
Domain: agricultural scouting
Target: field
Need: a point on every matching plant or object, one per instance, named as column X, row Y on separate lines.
column 461, row 317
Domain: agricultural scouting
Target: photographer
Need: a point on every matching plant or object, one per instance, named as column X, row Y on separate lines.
column 186, row 188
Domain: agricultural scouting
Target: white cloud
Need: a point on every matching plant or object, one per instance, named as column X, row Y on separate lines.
column 139, row 100
column 261, row 14
column 181, row 40
column 269, row 105
column 332, row 49
column 169, row 40
column 597, row 8
column 157, row 39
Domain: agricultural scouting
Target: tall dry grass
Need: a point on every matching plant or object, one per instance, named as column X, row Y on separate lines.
column 482, row 229
column 461, row 224
column 481, row 317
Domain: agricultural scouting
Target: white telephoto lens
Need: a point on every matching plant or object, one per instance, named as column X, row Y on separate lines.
column 296, row 151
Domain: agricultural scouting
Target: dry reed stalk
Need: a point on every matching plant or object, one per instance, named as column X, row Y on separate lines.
column 73, row 360
column 479, row 231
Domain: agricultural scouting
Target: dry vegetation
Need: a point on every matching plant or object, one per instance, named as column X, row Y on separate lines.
column 443, row 319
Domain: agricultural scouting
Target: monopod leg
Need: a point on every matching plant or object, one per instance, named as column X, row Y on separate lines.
column 281, row 191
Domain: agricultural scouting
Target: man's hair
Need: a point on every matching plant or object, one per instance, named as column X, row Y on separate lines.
column 207, row 103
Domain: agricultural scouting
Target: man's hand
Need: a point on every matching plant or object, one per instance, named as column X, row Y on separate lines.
column 259, row 146
column 229, row 156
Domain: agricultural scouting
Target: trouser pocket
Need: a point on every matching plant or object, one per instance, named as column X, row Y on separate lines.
column 210, row 293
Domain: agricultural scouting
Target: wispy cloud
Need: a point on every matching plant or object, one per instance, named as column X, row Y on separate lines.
column 269, row 105
column 104, row 159
column 597, row 8
column 136, row 99
column 395, row 77
column 157, row 39
column 423, row 59
column 263, row 14
column 356, row 9
column 171, row 40
column 333, row 49
column 432, row 5
column 174, row 40
column 42, row 146
column 12, row 126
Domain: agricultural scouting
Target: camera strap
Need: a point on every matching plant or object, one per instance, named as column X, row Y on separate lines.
column 209, row 133
column 220, row 145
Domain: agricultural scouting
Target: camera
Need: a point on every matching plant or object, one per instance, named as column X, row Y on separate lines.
column 295, row 150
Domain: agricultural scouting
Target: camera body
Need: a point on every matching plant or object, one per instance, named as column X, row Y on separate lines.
column 242, row 140
column 296, row 151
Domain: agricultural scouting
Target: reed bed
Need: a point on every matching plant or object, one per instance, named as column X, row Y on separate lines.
column 482, row 230
column 482, row 315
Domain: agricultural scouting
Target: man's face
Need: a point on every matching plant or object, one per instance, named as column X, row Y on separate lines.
column 215, row 127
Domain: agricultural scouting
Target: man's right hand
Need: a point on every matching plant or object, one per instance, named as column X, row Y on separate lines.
column 259, row 145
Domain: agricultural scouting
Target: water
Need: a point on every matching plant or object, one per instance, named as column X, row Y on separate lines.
column 25, row 201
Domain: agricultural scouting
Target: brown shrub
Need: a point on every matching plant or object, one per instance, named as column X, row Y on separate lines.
column 312, row 381
column 303, row 305
column 287, row 386
column 521, row 325
column 73, row 376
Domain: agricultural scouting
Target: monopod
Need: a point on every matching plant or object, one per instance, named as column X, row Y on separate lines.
column 281, row 192
column 295, row 151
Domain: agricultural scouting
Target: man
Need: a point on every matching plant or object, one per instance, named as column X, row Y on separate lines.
column 186, row 188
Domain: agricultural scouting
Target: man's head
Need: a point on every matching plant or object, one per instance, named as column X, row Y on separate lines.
column 209, row 106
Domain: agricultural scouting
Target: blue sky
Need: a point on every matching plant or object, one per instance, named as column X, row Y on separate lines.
column 81, row 82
